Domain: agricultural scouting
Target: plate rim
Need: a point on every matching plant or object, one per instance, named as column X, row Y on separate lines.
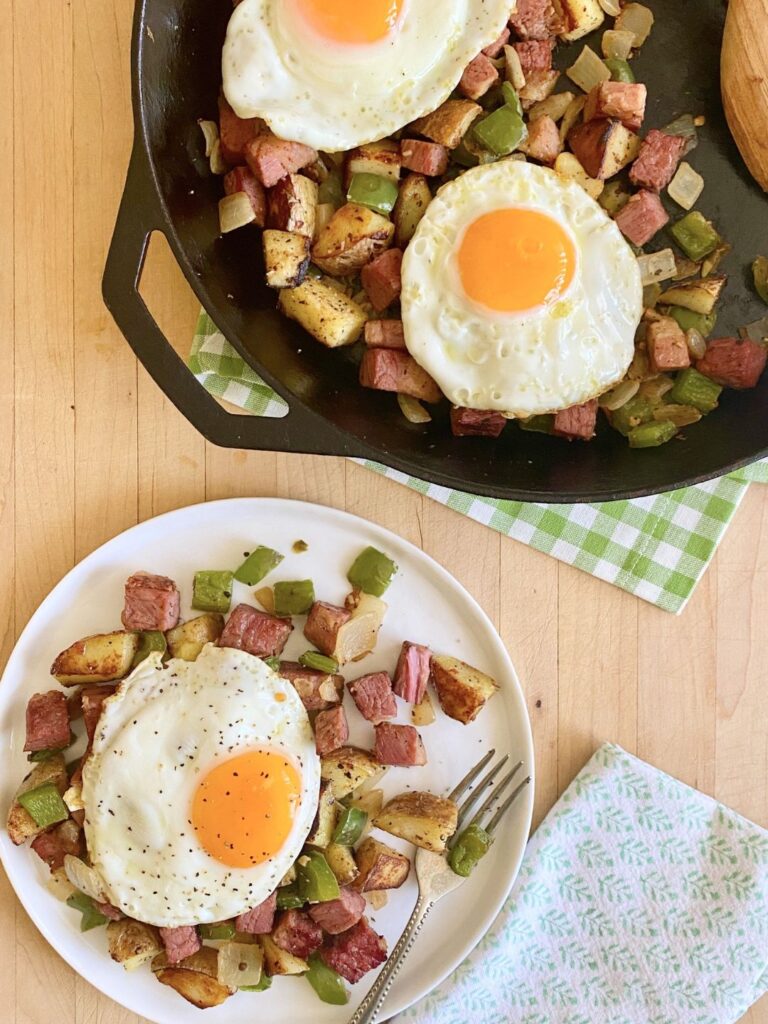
column 71, row 955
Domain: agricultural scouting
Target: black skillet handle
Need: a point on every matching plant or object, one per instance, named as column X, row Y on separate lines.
column 139, row 215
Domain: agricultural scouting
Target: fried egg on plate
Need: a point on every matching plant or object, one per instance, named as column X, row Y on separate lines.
column 201, row 788
column 519, row 292
column 335, row 74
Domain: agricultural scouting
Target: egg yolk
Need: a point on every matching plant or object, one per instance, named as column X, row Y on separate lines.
column 243, row 810
column 512, row 260
column 351, row 21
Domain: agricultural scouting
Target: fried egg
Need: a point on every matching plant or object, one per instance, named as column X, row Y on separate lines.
column 519, row 292
column 335, row 74
column 201, row 788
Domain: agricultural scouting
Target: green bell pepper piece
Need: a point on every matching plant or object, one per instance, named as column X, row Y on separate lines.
column 500, row 132
column 257, row 565
column 316, row 882
column 636, row 411
column 316, row 660
column 651, row 435
column 44, row 805
column 45, row 755
column 350, row 826
column 620, row 70
column 289, row 897
column 693, row 388
column 473, row 844
column 218, row 930
column 92, row 918
column 150, row 640
column 374, row 191
column 372, row 572
column 264, row 982
column 511, row 98
column 760, row 273
column 326, row 982
column 462, row 156
column 538, row 424
column 273, row 661
column 331, row 191
column 212, row 590
column 695, row 235
column 294, row 597
column 688, row 320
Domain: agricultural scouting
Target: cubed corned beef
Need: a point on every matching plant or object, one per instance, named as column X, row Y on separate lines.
column 317, row 690
column 399, row 745
column 495, row 48
column 323, row 624
column 235, row 132
column 374, row 697
column 180, row 942
column 382, row 279
column 297, row 933
column 242, row 179
column 642, row 217
column 386, row 369
column 331, row 730
column 657, row 160
column 427, row 158
column 479, row 75
column 412, row 672
column 53, row 845
column 259, row 920
column 577, row 423
column 385, row 334
column 543, row 140
column 733, row 362
column 535, row 55
column 667, row 347
column 151, row 603
column 248, row 629
column 536, row 19
column 624, row 101
column 92, row 702
column 337, row 916
column 476, row 422
column 47, row 721
column 355, row 952
column 271, row 158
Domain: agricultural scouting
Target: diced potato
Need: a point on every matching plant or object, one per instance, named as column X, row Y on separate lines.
column 286, row 258
column 20, row 823
column 187, row 640
column 348, row 767
column 195, row 978
column 449, row 123
column 604, row 147
column 553, row 106
column 461, row 689
column 382, row 158
column 567, row 166
column 538, row 86
column 412, row 202
column 132, row 943
column 292, row 205
column 379, row 866
column 423, row 819
column 582, row 17
column 280, row 961
column 321, row 832
column 330, row 316
column 700, row 296
column 96, row 659
column 342, row 863
column 350, row 239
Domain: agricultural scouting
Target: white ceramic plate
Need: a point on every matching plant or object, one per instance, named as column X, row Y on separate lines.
column 426, row 605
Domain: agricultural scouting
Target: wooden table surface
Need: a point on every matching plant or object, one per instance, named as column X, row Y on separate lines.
column 89, row 446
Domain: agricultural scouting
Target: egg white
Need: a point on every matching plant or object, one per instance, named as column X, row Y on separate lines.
column 163, row 730
column 550, row 358
column 336, row 97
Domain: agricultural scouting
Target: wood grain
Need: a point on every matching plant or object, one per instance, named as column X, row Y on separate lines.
column 88, row 446
column 744, row 74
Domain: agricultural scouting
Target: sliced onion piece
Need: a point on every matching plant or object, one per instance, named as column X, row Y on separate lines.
column 266, row 598
column 571, row 116
column 514, row 73
column 588, row 70
column 423, row 713
column 637, row 19
column 686, row 186
column 655, row 389
column 713, row 261
column 697, row 345
column 377, row 899
column 685, row 268
column 240, row 963
column 85, row 879
column 358, row 636
column 59, row 885
column 235, row 212
column 553, row 106
column 413, row 410
column 210, row 132
column 617, row 45
column 217, row 161
column 651, row 295
column 619, row 396
column 680, row 415
column 657, row 266
column 612, row 7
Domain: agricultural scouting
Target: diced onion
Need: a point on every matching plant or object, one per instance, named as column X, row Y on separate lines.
column 239, row 963
column 413, row 410
column 423, row 713
column 571, row 116
column 85, row 879
column 686, row 186
column 638, row 19
column 638, row 368
column 713, row 261
column 59, row 885
column 235, row 212
column 657, row 266
column 685, row 127
column 617, row 45
column 696, row 343
column 218, row 164
column 588, row 70
column 266, row 598
column 620, row 395
column 377, row 899
column 655, row 389
column 612, row 7
column 680, row 415
column 567, row 166
column 685, row 268
column 651, row 294
column 357, row 637
column 553, row 106
column 210, row 132
column 515, row 75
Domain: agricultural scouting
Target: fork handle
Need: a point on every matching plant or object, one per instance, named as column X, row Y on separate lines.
column 371, row 1005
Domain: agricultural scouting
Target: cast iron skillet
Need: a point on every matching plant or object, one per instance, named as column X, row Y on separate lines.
column 176, row 79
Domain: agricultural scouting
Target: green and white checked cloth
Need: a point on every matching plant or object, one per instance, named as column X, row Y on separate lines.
column 656, row 548
column 640, row 901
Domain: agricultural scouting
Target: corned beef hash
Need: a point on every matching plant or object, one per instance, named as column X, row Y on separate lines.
column 217, row 822
column 430, row 185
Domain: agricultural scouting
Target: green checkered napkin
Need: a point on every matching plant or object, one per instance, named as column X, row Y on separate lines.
column 656, row 548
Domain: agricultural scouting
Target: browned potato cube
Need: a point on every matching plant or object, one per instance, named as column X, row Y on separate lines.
column 20, row 823
column 382, row 158
column 423, row 819
column 461, row 689
column 581, row 17
column 132, row 943
column 604, row 147
column 700, row 296
column 449, row 123
column 291, row 205
column 349, row 767
column 186, row 640
column 379, row 866
column 286, row 258
column 342, row 863
column 330, row 316
column 96, row 659
column 351, row 238
column 412, row 202
column 195, row 978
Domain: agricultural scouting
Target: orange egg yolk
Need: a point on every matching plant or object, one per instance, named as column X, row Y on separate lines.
column 515, row 259
column 243, row 810
column 358, row 22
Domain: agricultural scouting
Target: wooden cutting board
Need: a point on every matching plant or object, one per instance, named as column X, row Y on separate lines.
column 744, row 69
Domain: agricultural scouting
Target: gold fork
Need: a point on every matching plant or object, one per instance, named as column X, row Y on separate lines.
column 434, row 875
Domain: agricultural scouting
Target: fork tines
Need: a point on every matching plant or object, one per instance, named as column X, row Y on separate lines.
column 486, row 786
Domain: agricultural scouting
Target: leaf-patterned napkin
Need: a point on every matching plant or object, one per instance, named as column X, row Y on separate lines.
column 640, row 901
